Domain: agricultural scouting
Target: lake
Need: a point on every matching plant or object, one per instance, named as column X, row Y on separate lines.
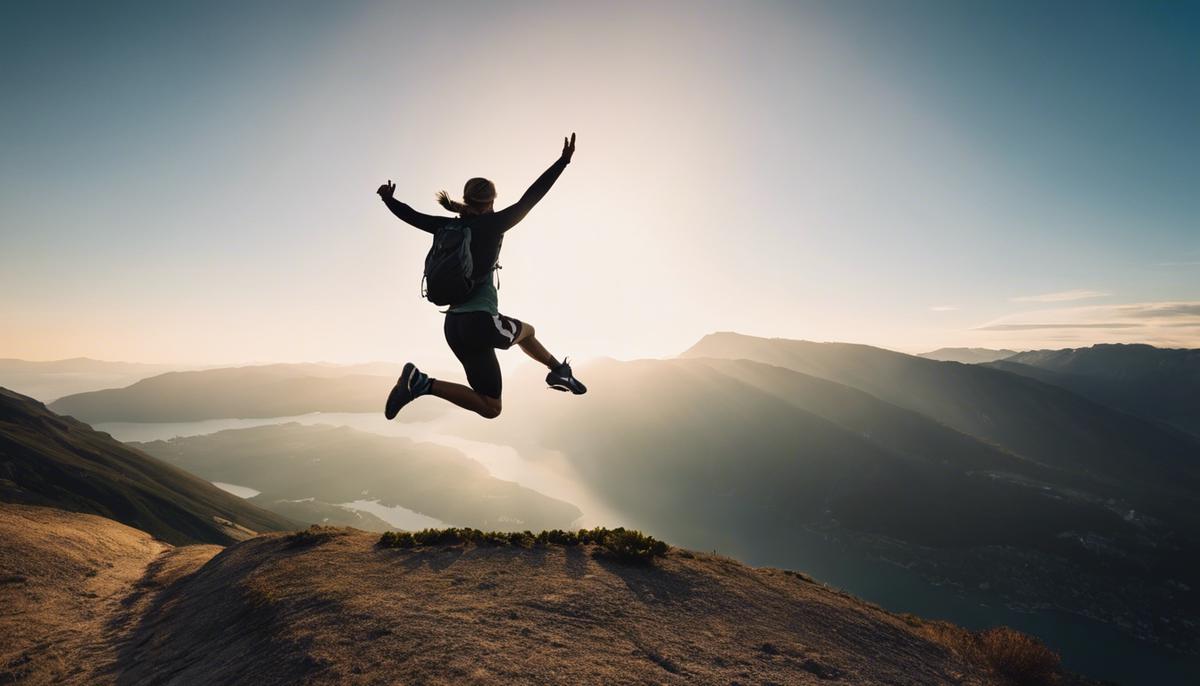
column 550, row 473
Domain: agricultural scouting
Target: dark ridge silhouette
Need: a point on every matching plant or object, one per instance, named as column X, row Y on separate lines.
column 766, row 462
column 1160, row 384
column 1029, row 418
column 48, row 459
column 277, row 390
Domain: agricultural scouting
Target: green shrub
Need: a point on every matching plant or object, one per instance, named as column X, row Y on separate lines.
column 622, row 544
column 443, row 536
column 313, row 535
column 397, row 539
column 523, row 539
column 631, row 545
column 558, row 537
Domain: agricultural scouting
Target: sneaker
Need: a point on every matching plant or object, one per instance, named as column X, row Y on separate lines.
column 561, row 379
column 412, row 384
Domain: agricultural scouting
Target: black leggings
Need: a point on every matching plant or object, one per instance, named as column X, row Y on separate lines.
column 475, row 337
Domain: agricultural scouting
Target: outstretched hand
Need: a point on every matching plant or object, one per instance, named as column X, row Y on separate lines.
column 386, row 190
column 568, row 148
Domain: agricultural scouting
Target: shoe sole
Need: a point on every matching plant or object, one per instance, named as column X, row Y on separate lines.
column 394, row 401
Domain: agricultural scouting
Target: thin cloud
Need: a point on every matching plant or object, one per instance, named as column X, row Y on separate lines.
column 1164, row 310
column 1060, row 296
column 943, row 308
column 1054, row 325
column 1169, row 323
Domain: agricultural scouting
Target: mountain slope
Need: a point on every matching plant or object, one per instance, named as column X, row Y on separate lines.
column 1156, row 383
column 780, row 467
column 767, row 448
column 335, row 465
column 63, row 577
column 940, row 487
column 278, row 390
column 47, row 459
column 1026, row 417
column 333, row 608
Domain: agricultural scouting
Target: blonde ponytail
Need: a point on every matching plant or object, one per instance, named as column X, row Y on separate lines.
column 478, row 193
column 444, row 200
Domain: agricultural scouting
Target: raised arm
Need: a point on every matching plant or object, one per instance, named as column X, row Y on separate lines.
column 514, row 213
column 425, row 222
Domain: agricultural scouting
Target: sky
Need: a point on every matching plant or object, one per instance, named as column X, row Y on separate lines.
column 194, row 182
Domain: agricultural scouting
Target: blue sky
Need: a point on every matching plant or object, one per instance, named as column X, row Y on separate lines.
column 193, row 182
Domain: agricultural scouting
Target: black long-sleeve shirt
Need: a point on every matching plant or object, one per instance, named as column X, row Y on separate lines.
column 487, row 230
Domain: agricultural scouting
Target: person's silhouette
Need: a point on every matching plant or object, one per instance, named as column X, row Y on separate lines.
column 474, row 328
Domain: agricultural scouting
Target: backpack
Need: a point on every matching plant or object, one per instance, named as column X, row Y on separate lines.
column 448, row 266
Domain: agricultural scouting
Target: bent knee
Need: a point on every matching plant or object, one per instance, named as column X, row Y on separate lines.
column 491, row 410
column 527, row 331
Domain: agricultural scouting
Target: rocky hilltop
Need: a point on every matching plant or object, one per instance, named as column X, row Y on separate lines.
column 90, row 601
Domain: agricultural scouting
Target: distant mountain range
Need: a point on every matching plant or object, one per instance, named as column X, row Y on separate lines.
column 1045, row 481
column 1019, row 491
column 1064, row 479
column 1156, row 383
column 50, row 380
column 46, row 459
column 318, row 466
column 1034, row 420
column 277, row 390
column 968, row 355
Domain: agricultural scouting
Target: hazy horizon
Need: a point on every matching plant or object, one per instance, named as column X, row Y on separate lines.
column 194, row 184
column 510, row 362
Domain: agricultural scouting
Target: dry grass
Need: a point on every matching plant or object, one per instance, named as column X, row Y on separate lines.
column 63, row 575
column 332, row 606
column 1016, row 658
column 1020, row 657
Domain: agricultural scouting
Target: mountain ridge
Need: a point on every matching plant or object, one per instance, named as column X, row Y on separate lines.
column 968, row 355
column 1158, row 384
column 49, row 459
column 252, row 391
column 1024, row 415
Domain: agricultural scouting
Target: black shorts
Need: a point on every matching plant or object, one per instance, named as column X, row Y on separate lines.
column 475, row 337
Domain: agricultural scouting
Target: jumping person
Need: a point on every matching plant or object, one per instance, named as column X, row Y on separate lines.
column 474, row 328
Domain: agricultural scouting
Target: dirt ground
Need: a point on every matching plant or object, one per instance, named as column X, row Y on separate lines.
column 88, row 601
